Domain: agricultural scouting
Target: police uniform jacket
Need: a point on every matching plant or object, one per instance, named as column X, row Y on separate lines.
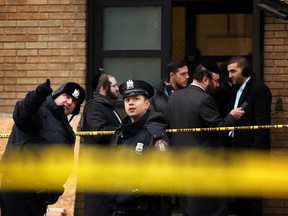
column 258, row 112
column 38, row 123
column 150, row 128
column 148, row 132
column 99, row 115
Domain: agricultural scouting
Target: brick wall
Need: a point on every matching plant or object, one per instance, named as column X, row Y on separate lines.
column 40, row 39
column 276, row 76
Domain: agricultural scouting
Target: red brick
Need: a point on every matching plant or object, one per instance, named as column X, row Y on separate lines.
column 38, row 2
column 16, row 2
column 27, row 38
column 274, row 27
column 269, row 34
column 17, row 16
column 27, row 8
column 274, row 41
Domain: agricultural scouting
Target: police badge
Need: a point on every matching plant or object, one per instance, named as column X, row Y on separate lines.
column 139, row 148
column 161, row 145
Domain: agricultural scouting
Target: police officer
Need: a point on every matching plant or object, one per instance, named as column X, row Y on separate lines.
column 141, row 130
column 40, row 122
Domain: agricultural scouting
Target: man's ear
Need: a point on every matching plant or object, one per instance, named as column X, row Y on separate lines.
column 205, row 79
column 102, row 90
column 148, row 102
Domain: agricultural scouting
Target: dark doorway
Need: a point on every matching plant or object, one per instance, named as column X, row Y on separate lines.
column 201, row 33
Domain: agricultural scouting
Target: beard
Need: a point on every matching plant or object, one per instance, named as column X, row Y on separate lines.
column 110, row 95
column 211, row 88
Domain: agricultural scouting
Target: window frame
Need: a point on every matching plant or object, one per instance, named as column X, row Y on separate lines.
column 95, row 52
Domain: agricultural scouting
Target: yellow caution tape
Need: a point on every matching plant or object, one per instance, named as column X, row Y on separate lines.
column 4, row 136
column 253, row 127
column 188, row 171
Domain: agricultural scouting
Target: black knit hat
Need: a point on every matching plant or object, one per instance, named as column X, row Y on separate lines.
column 74, row 90
column 136, row 87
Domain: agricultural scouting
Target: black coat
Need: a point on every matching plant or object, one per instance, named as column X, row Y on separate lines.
column 147, row 130
column 99, row 115
column 39, row 124
column 160, row 99
column 139, row 137
column 258, row 112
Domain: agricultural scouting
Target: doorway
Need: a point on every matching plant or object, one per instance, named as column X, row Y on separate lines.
column 214, row 33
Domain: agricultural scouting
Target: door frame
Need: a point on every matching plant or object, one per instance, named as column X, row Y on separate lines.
column 95, row 52
column 194, row 7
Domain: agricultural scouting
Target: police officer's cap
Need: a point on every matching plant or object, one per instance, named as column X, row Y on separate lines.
column 136, row 87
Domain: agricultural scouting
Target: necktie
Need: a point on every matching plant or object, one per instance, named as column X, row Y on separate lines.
column 238, row 95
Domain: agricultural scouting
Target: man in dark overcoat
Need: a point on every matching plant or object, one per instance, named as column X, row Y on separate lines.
column 246, row 88
column 194, row 107
column 100, row 115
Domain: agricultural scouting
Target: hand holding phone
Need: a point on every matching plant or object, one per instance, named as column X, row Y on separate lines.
column 244, row 105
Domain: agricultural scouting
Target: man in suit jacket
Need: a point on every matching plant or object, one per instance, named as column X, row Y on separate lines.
column 258, row 112
column 194, row 107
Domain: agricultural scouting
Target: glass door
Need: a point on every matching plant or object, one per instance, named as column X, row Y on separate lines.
column 128, row 39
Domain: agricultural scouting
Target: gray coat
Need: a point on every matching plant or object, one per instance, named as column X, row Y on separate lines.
column 194, row 108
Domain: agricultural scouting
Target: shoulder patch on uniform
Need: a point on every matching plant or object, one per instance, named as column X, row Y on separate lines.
column 161, row 144
column 157, row 131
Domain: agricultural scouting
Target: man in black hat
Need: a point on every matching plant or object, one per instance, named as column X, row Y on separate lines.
column 141, row 130
column 222, row 92
column 40, row 122
column 194, row 107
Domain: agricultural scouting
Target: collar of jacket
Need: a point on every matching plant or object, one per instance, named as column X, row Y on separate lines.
column 104, row 100
column 129, row 128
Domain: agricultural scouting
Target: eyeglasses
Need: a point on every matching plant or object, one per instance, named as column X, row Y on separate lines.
column 217, row 81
